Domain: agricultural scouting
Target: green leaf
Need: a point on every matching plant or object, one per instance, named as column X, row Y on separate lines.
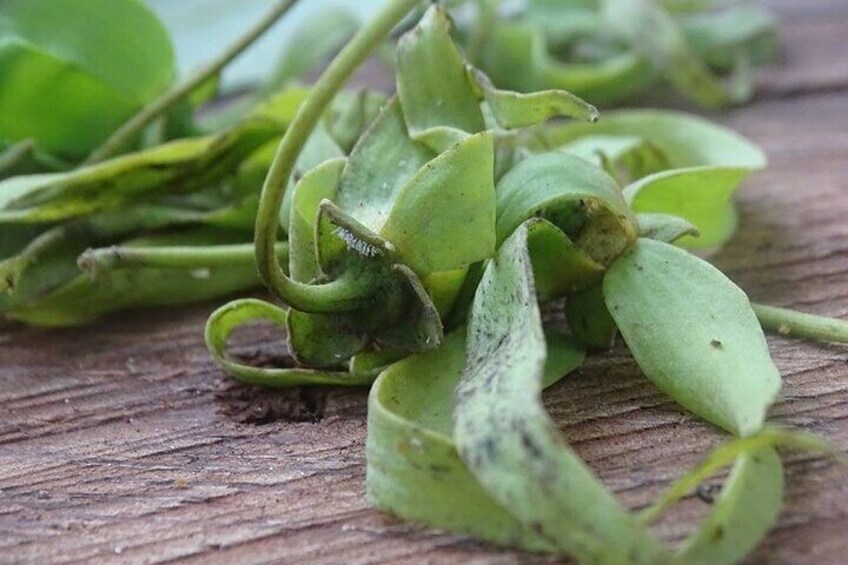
column 619, row 154
column 316, row 185
column 414, row 470
column 382, row 162
column 350, row 115
column 444, row 217
column 719, row 36
column 397, row 315
column 701, row 197
column 507, row 440
column 685, row 139
column 694, row 334
column 559, row 266
column 439, row 103
column 519, row 56
column 46, row 258
column 94, row 62
column 324, row 340
column 578, row 197
column 227, row 318
column 517, row 110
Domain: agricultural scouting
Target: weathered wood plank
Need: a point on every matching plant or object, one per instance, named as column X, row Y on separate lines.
column 117, row 442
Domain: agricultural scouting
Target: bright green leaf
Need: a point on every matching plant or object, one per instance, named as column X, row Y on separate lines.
column 94, row 62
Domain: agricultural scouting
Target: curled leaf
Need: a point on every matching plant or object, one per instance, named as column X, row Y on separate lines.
column 576, row 196
column 507, row 440
column 654, row 34
column 517, row 110
column 664, row 227
column 225, row 319
column 747, row 507
column 414, row 470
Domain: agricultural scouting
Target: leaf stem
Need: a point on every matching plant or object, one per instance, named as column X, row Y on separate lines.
column 348, row 292
column 95, row 261
column 167, row 100
column 798, row 324
column 267, row 220
column 726, row 453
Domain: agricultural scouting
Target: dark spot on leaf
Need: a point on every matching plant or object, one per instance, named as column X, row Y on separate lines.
column 716, row 344
column 530, row 445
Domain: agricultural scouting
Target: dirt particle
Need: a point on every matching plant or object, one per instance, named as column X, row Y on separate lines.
column 717, row 344
column 707, row 493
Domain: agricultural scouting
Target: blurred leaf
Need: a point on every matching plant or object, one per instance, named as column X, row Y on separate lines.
column 655, row 35
column 706, row 164
column 178, row 166
column 83, row 298
column 95, row 62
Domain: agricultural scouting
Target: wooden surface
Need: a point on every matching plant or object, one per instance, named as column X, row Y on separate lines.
column 123, row 442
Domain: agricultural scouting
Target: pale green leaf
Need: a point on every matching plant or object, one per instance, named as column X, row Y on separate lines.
column 508, row 441
column 694, row 334
column 439, row 103
column 747, row 507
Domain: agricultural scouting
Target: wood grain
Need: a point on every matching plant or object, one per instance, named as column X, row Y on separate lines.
column 122, row 442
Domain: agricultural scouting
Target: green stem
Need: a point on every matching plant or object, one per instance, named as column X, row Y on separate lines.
column 165, row 102
column 184, row 257
column 323, row 92
column 726, row 453
column 797, row 324
column 346, row 293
